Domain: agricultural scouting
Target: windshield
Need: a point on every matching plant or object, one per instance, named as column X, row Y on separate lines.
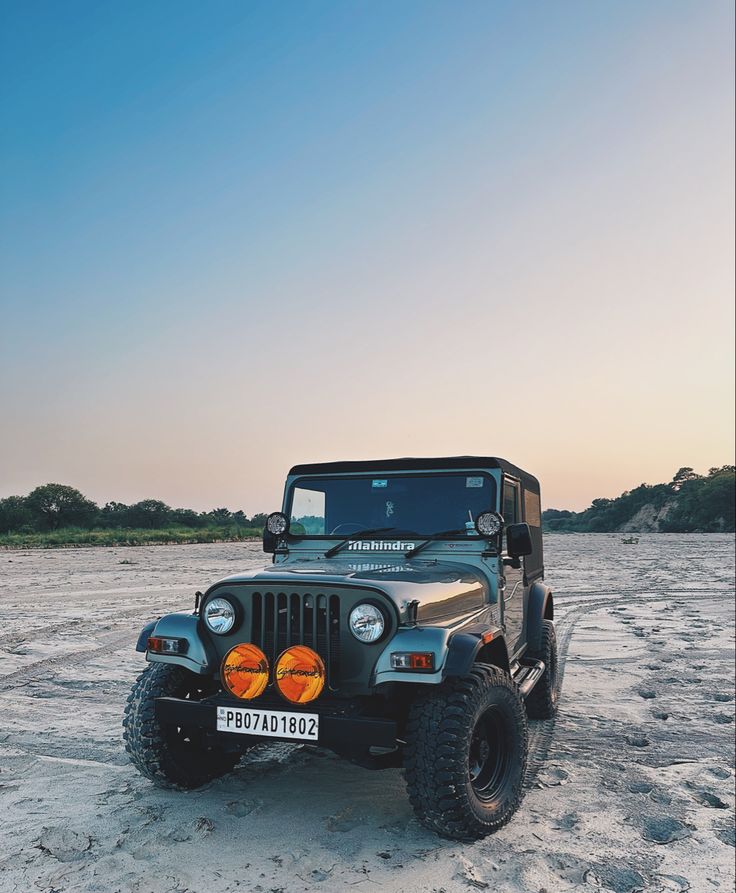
column 416, row 504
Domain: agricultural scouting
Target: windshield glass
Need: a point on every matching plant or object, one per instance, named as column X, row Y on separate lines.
column 417, row 504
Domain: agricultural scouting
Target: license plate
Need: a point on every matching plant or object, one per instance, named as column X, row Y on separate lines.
column 268, row 723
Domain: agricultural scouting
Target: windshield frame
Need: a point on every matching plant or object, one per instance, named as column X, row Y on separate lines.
column 399, row 534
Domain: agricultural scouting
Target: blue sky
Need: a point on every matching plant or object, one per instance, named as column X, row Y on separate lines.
column 241, row 235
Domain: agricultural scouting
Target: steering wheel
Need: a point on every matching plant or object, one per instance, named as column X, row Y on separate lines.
column 356, row 524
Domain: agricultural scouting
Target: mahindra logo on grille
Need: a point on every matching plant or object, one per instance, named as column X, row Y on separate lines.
column 379, row 546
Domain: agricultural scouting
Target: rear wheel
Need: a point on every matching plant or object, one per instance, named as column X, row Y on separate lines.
column 465, row 758
column 542, row 700
column 169, row 755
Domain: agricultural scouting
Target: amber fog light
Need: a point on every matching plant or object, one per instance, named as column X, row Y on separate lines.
column 300, row 674
column 245, row 671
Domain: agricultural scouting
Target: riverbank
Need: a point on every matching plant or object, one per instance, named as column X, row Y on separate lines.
column 73, row 538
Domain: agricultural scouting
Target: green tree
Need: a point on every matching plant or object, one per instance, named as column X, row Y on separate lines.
column 683, row 476
column 56, row 505
column 188, row 518
column 149, row 513
column 114, row 514
column 220, row 516
column 14, row 513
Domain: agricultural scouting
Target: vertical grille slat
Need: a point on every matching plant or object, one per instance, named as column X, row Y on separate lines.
column 262, row 609
column 315, row 609
column 328, row 643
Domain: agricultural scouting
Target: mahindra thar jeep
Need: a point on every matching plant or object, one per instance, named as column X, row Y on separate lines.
column 403, row 622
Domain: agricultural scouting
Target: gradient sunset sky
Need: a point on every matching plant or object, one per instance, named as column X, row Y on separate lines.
column 241, row 235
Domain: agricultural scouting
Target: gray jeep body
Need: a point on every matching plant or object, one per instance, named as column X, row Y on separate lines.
column 462, row 598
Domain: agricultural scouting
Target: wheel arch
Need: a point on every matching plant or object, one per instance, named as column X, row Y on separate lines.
column 540, row 607
column 197, row 657
column 465, row 649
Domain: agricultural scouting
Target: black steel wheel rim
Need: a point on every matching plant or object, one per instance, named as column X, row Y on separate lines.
column 489, row 755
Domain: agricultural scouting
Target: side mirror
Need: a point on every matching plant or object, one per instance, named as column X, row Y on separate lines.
column 518, row 540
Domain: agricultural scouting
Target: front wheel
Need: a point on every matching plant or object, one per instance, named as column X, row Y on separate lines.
column 466, row 753
column 171, row 756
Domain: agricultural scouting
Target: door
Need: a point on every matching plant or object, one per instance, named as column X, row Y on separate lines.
column 513, row 578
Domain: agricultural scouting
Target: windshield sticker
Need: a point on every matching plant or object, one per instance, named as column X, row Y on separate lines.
column 476, row 482
column 379, row 546
column 379, row 484
column 389, row 508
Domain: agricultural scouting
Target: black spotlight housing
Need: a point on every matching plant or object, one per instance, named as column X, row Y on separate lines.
column 489, row 524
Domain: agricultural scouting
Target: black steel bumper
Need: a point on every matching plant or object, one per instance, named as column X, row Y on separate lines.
column 340, row 733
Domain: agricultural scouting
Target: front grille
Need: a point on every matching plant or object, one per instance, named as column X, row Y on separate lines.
column 282, row 619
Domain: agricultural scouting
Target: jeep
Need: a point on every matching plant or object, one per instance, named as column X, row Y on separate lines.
column 403, row 622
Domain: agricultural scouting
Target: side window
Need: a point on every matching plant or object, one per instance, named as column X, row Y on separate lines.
column 308, row 512
column 510, row 502
column 532, row 509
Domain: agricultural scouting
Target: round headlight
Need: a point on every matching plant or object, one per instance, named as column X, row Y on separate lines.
column 277, row 523
column 488, row 524
column 367, row 623
column 219, row 615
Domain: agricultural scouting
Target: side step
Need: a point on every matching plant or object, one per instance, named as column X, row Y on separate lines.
column 527, row 675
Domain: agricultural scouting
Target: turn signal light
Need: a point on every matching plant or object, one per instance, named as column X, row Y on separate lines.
column 159, row 645
column 299, row 674
column 245, row 671
column 412, row 660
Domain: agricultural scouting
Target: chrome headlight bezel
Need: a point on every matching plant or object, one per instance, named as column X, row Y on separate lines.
column 227, row 609
column 489, row 524
column 278, row 524
column 372, row 616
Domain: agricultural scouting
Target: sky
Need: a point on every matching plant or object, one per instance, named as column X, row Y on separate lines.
column 239, row 236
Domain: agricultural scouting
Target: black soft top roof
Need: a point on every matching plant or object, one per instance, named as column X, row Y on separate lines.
column 471, row 462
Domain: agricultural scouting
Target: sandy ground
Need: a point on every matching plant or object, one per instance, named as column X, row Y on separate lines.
column 632, row 786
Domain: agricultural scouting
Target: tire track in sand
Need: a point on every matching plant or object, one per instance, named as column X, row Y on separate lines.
column 17, row 679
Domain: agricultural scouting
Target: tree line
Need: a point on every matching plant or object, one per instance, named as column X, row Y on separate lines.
column 689, row 503
column 54, row 507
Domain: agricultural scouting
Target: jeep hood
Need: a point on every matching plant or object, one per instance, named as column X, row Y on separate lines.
column 442, row 589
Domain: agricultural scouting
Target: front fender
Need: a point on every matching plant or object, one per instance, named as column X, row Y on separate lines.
column 182, row 626
column 417, row 638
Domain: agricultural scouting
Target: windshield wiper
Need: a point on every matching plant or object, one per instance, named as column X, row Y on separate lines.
column 361, row 534
column 428, row 542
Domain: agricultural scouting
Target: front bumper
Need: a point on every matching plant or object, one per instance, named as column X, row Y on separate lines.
column 339, row 733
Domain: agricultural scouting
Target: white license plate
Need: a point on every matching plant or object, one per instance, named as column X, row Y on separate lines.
column 269, row 723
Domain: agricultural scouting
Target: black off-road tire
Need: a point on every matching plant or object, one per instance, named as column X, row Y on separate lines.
column 170, row 756
column 443, row 754
column 542, row 701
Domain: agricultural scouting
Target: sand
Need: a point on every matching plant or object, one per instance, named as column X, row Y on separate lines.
column 631, row 788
